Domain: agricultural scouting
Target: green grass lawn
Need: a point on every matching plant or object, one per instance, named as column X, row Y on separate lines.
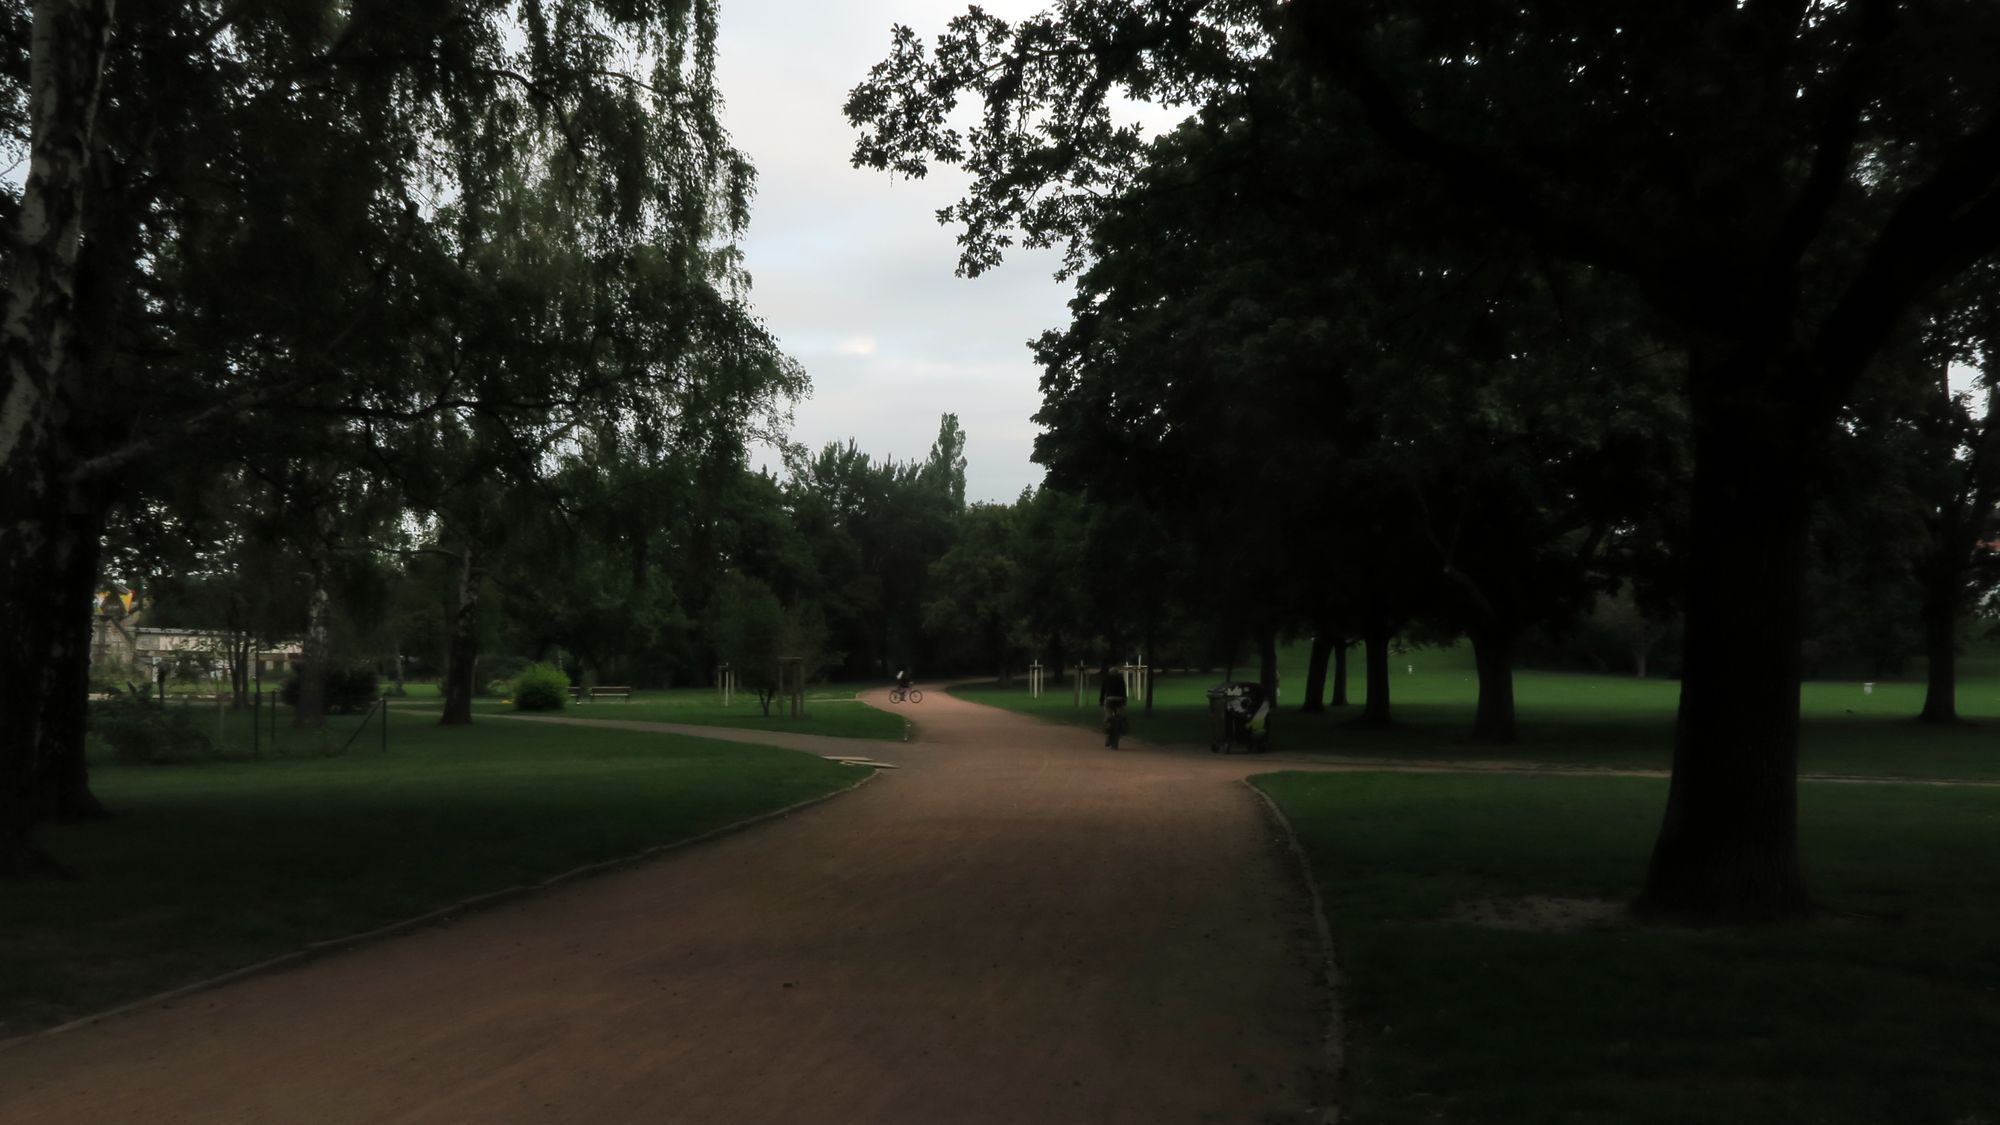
column 830, row 710
column 208, row 867
column 1569, row 719
column 1889, row 1012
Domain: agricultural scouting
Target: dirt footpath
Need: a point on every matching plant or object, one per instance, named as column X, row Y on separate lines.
column 1016, row 926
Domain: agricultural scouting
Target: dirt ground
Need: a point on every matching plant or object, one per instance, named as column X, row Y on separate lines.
column 1017, row 925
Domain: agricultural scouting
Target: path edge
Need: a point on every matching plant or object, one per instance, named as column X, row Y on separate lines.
column 314, row 950
column 1335, row 1042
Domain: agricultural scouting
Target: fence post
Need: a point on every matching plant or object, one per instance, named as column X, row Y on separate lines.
column 385, row 724
column 257, row 723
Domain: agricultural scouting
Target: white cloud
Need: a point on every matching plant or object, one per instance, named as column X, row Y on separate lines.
column 831, row 247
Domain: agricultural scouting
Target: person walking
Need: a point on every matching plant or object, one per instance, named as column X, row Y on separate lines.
column 1111, row 697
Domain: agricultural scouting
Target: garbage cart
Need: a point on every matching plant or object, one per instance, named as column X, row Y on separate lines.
column 1239, row 718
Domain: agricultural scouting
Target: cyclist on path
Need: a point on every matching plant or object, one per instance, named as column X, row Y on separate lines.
column 1111, row 696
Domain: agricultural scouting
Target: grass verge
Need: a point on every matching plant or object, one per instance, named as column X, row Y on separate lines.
column 1567, row 720
column 831, row 710
column 1887, row 1011
column 208, row 867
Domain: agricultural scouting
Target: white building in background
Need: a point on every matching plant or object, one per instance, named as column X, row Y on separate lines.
column 122, row 642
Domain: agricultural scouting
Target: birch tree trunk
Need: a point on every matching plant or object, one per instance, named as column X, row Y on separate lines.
column 43, row 635
column 311, row 708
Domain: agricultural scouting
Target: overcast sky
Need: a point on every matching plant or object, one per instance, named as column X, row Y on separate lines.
column 851, row 270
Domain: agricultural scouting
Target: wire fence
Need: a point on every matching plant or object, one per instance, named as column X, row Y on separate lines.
column 266, row 727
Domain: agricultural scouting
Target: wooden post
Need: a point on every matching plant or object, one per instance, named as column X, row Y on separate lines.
column 1035, row 680
column 1078, row 683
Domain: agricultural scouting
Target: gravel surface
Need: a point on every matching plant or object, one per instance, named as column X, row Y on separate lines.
column 1015, row 926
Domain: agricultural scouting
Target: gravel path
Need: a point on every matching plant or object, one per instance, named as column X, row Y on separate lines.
column 1015, row 926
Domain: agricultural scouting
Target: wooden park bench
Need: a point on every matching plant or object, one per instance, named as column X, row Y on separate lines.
column 624, row 693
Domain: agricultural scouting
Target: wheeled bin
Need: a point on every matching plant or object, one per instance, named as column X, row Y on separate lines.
column 1239, row 718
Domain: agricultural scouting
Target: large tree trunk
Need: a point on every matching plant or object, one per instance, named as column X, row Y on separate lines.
column 1493, row 653
column 1728, row 846
column 66, row 796
column 1942, row 582
column 30, row 626
column 46, row 580
column 1340, row 672
column 1375, row 643
column 41, row 368
column 461, row 660
column 1322, row 651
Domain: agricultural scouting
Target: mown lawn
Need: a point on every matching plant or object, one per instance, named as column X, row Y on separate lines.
column 830, row 710
column 211, row 866
column 1888, row 1009
column 1569, row 719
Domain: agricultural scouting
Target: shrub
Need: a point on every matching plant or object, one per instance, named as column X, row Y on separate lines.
column 541, row 687
column 349, row 691
column 145, row 734
column 498, row 689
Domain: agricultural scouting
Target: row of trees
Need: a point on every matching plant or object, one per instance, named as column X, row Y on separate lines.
column 1476, row 306
column 1431, row 317
column 292, row 287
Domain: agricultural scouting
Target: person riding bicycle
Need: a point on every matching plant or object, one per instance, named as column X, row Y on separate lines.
column 1111, row 696
column 902, row 681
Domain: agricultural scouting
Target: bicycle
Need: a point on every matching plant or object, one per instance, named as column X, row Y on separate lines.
column 897, row 695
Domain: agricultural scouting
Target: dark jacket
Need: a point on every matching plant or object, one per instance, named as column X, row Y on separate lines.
column 1111, row 688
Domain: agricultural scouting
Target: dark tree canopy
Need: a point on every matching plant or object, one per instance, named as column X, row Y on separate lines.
column 1782, row 183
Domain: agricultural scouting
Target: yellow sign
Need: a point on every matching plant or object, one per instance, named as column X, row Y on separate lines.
column 127, row 597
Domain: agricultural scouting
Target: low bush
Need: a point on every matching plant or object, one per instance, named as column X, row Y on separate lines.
column 349, row 691
column 141, row 733
column 541, row 687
